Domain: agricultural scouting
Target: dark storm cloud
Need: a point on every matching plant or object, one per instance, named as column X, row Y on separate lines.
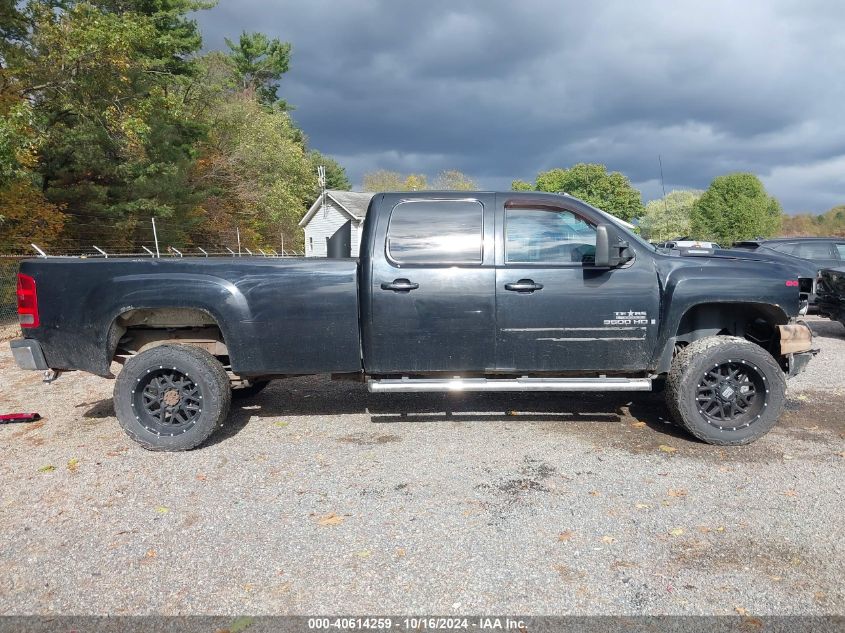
column 501, row 90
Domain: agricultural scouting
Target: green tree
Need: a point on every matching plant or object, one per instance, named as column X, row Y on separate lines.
column 669, row 217
column 335, row 174
column 735, row 207
column 262, row 193
column 384, row 180
column 592, row 183
column 260, row 63
column 521, row 185
column 454, row 180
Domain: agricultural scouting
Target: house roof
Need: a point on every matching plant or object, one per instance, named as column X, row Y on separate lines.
column 353, row 203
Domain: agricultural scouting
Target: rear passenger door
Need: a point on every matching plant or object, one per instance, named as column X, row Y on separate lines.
column 431, row 287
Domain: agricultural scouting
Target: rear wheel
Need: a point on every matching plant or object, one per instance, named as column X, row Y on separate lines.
column 725, row 390
column 172, row 397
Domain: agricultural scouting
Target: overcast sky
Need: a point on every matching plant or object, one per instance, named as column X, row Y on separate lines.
column 501, row 89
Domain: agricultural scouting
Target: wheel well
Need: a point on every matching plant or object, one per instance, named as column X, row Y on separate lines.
column 754, row 322
column 139, row 329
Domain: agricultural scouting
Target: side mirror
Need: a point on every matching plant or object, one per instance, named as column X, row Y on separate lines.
column 611, row 251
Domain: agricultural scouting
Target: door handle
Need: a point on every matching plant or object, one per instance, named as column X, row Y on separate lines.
column 400, row 285
column 524, row 285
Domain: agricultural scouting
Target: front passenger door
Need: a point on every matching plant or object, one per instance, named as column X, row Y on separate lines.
column 557, row 312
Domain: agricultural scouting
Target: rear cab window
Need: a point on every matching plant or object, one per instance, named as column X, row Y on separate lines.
column 447, row 232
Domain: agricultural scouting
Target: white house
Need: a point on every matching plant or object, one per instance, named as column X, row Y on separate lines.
column 328, row 214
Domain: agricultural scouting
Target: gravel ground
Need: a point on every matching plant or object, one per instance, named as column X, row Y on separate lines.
column 320, row 497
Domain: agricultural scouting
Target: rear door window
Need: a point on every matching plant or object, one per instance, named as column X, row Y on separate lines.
column 814, row 250
column 840, row 250
column 436, row 232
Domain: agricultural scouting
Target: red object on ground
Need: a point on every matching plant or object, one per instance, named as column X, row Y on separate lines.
column 19, row 417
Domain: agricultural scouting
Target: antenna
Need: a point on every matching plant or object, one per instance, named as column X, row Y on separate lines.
column 148, row 250
column 663, row 185
column 102, row 251
column 321, row 180
column 40, row 252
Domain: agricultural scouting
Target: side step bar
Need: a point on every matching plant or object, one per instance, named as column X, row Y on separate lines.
column 419, row 385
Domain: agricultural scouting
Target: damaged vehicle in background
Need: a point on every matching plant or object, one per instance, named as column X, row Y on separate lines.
column 831, row 294
column 453, row 292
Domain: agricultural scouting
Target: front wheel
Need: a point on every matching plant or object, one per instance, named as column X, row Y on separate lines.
column 725, row 390
column 172, row 397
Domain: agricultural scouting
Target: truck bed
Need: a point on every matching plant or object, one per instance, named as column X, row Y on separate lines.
column 277, row 315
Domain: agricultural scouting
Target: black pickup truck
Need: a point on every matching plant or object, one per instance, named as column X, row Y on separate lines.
column 452, row 292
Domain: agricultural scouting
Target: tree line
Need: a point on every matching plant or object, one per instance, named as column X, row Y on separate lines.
column 109, row 116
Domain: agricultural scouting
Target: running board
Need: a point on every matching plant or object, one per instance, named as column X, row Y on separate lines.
column 418, row 385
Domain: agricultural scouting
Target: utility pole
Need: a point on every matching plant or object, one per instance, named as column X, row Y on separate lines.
column 155, row 236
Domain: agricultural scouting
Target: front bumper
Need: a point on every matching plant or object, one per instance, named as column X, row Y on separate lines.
column 28, row 354
column 796, row 347
column 798, row 362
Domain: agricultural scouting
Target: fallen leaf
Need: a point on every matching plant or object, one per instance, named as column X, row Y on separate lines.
column 47, row 469
column 281, row 425
column 790, row 493
column 162, row 509
column 788, row 457
column 680, row 492
column 241, row 624
column 511, row 413
column 641, row 506
column 666, row 448
column 201, row 477
column 721, row 528
column 704, row 529
column 595, row 493
column 820, row 596
column 72, row 464
column 566, row 535
column 400, row 552
column 842, row 454
column 676, row 531
column 741, row 610
column 330, row 519
column 364, row 553
column 608, row 539
column 151, row 553
column 639, row 424
column 776, row 578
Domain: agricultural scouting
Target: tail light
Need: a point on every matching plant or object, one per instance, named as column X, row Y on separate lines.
column 27, row 301
column 792, row 283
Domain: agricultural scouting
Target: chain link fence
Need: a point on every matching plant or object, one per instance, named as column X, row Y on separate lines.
column 9, row 268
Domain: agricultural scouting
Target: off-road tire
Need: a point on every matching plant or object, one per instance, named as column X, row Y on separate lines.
column 689, row 380
column 203, row 387
column 254, row 388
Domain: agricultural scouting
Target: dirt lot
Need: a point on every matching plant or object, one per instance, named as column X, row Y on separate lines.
column 320, row 497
